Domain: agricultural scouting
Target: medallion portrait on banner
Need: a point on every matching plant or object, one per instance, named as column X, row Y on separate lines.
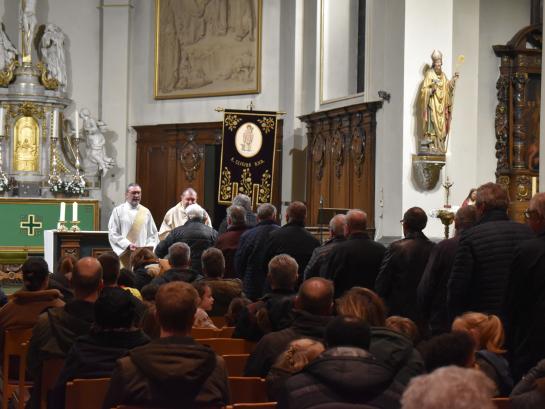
column 247, row 156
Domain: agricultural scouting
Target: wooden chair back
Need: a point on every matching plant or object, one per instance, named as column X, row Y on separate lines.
column 228, row 346
column 219, row 321
column 15, row 345
column 235, row 364
column 263, row 405
column 86, row 393
column 247, row 389
column 51, row 369
column 200, row 333
column 502, row 403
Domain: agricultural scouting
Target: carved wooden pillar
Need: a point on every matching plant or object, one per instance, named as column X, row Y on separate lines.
column 517, row 116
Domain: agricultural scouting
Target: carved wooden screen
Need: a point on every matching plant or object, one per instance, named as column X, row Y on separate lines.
column 171, row 158
column 517, row 116
column 341, row 159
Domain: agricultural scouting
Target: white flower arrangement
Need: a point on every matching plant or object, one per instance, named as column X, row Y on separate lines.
column 4, row 183
column 76, row 186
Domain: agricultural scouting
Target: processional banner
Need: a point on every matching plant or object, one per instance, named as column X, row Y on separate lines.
column 247, row 156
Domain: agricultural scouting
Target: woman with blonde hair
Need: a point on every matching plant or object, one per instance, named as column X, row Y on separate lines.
column 389, row 347
column 487, row 330
column 363, row 303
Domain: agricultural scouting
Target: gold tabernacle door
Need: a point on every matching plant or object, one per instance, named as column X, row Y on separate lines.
column 26, row 145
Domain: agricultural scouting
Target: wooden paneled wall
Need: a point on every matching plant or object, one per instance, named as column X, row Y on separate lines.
column 170, row 158
column 341, row 159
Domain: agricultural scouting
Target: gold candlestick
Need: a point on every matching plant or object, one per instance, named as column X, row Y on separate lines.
column 62, row 226
column 75, row 227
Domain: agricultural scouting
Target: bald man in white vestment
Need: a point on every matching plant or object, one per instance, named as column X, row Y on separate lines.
column 131, row 225
column 176, row 216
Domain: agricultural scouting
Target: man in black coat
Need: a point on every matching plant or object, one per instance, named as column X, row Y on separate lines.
column 480, row 275
column 273, row 311
column 432, row 290
column 317, row 265
column 179, row 256
column 194, row 232
column 525, row 304
column 313, row 307
column 250, row 260
column 355, row 262
column 403, row 266
column 293, row 238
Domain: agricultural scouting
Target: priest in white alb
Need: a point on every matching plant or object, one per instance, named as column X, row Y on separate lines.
column 176, row 216
column 131, row 226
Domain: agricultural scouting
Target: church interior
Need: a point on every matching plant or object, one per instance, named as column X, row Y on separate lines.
column 377, row 105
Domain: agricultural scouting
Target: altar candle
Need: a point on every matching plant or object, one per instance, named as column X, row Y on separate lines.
column 55, row 125
column 2, row 121
column 77, row 125
column 75, row 212
column 63, row 211
column 534, row 185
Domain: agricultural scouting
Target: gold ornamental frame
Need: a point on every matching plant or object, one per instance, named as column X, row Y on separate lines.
column 206, row 56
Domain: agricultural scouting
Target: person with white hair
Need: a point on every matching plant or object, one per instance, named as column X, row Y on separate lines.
column 177, row 216
column 195, row 233
column 449, row 387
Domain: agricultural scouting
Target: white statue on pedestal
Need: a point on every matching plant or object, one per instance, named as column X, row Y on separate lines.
column 7, row 51
column 95, row 141
column 27, row 23
column 52, row 50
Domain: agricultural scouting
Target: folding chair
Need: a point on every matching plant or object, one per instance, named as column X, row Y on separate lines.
column 86, row 393
column 235, row 364
column 247, row 389
column 15, row 345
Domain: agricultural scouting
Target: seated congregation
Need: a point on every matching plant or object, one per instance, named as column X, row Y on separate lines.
column 270, row 315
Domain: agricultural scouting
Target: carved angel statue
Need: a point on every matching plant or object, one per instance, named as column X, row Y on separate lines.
column 27, row 24
column 7, row 51
column 52, row 52
column 95, row 141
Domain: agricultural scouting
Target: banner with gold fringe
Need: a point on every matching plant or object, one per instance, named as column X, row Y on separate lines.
column 247, row 156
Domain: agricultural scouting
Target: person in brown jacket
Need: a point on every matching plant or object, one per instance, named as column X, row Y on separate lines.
column 174, row 370
column 26, row 305
column 228, row 242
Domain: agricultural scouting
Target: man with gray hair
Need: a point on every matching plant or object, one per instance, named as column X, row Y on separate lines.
column 316, row 266
column 450, row 387
column 245, row 202
column 194, row 233
column 179, row 257
column 228, row 242
column 250, row 263
column 177, row 216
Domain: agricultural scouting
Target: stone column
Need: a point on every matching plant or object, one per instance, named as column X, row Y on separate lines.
column 114, row 101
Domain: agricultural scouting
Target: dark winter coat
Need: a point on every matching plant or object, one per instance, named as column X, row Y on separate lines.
column 269, row 348
column 250, row 260
column 196, row 235
column 525, row 306
column 343, row 377
column 355, row 262
column 169, row 372
column 479, row 277
column 317, row 265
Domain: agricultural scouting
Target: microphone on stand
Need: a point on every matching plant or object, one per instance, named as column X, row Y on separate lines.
column 321, row 227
